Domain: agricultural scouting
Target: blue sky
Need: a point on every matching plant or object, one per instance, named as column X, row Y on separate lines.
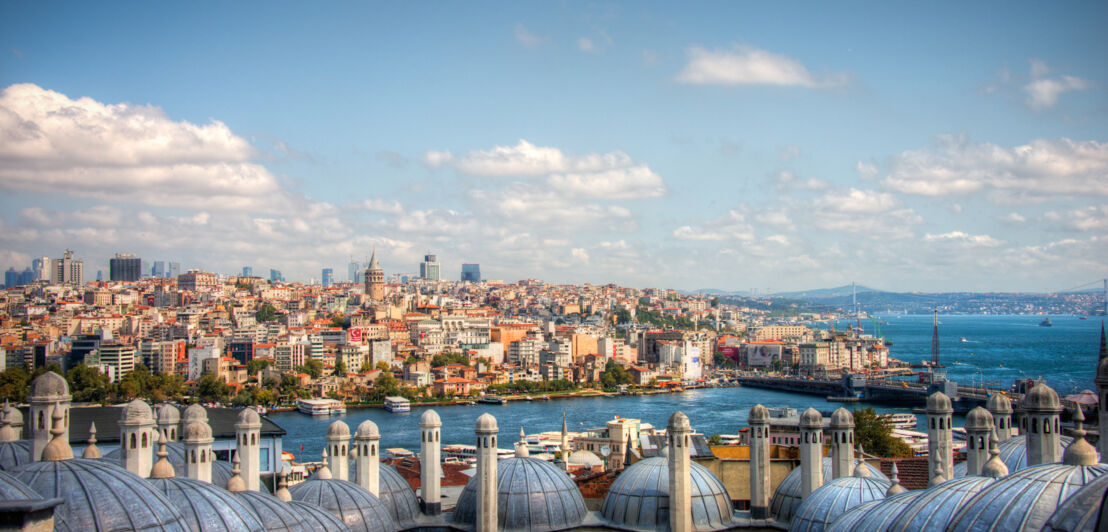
column 724, row 145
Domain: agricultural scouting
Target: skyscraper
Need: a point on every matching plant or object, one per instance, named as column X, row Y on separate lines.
column 67, row 270
column 352, row 271
column 158, row 271
column 41, row 268
column 429, row 268
column 11, row 278
column 125, row 267
column 327, row 276
column 247, row 271
column 275, row 275
column 471, row 273
column 174, row 269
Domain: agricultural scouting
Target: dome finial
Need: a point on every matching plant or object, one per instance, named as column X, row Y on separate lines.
column 236, row 484
column 1079, row 452
column 861, row 471
column 894, row 482
column 58, row 448
column 938, row 476
column 162, row 468
column 994, row 467
column 283, row 486
column 92, row 451
column 324, row 472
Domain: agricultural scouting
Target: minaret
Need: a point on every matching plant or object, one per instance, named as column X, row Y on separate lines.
column 92, row 452
column 680, row 475
column 1001, row 408
column 198, row 444
column 565, row 443
column 1102, row 391
column 366, row 442
column 136, row 438
column 979, row 425
column 430, row 462
column 759, row 462
column 1041, row 425
column 628, row 452
column 940, row 435
column 48, row 391
column 521, row 447
column 338, row 440
column 487, row 515
column 248, row 430
column 842, row 443
column 811, row 452
column 169, row 421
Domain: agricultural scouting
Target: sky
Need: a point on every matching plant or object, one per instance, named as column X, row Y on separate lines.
column 942, row 146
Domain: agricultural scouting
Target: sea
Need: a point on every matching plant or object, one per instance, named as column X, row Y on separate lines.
column 995, row 350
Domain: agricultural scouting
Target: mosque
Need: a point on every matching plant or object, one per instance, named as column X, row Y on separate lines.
column 164, row 477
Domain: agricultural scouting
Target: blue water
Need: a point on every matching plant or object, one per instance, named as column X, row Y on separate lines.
column 1064, row 354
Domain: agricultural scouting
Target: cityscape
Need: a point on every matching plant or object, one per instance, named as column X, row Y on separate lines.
column 535, row 267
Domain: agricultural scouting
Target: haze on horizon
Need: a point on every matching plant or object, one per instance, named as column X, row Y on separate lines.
column 935, row 147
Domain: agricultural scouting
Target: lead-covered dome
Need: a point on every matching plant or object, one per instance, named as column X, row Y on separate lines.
column 359, row 509
column 101, row 496
column 811, row 419
column 1013, row 452
column 938, row 403
column 758, row 414
column 136, row 412
column 367, row 429
column 979, row 419
column 168, row 414
column 316, row 519
column 1023, row 500
column 249, row 418
column 221, row 471
column 586, row 459
column 1041, row 398
column 50, row 385
column 1079, row 512
column 13, row 489
column 274, row 514
column 933, row 509
column 195, row 412
column 835, row 498
column 14, row 454
column 873, row 515
column 206, row 507
column 533, row 495
column 639, row 497
column 786, row 499
column 842, row 419
column 395, row 492
column 429, row 419
column 338, row 429
column 999, row 403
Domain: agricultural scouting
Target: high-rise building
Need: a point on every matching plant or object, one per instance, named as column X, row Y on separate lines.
column 275, row 276
column 41, row 268
column 375, row 279
column 327, row 276
column 429, row 268
column 247, row 271
column 352, row 271
column 125, row 267
column 27, row 277
column 11, row 278
column 174, row 270
column 67, row 270
column 158, row 271
column 471, row 273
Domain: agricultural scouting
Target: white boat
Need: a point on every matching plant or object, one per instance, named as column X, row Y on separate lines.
column 902, row 421
column 320, row 407
column 397, row 404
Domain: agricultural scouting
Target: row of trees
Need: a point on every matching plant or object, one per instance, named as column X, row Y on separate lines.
column 558, row 385
column 88, row 385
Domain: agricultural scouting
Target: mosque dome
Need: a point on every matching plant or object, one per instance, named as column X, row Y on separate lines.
column 1013, row 452
column 1041, row 398
column 485, row 423
column 359, row 509
column 835, row 498
column 811, row 419
column 206, row 507
column 1024, row 500
column 137, row 412
column 367, row 429
column 873, row 515
column 274, row 514
column 533, row 495
column 316, row 519
column 49, row 385
column 429, row 419
column 249, row 418
column 101, row 496
column 999, row 403
column 758, row 414
column 938, row 403
column 842, row 419
column 979, row 419
column 168, row 415
column 221, row 471
column 395, row 492
column 933, row 509
column 14, row 454
column 338, row 429
column 585, row 458
column 197, row 431
column 196, row 412
column 13, row 489
column 1079, row 512
column 787, row 497
column 639, row 497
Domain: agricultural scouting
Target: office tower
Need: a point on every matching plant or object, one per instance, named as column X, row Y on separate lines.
column 327, row 276
column 11, row 278
column 352, row 271
column 99, row 275
column 125, row 267
column 471, row 273
column 174, row 270
column 67, row 270
column 429, row 268
column 275, row 275
column 247, row 271
column 158, row 271
column 27, row 276
column 41, row 268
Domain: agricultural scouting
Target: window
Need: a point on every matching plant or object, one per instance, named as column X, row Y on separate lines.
column 134, row 441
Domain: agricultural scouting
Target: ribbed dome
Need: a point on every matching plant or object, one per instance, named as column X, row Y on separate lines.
column 758, row 414
column 935, row 507
column 101, row 496
column 938, row 403
column 197, row 430
column 274, row 514
column 249, row 418
column 14, row 454
column 351, row 503
column 195, row 412
column 317, row 519
column 1041, row 398
column 49, row 385
column 221, row 471
column 206, row 507
column 873, row 515
column 486, row 423
column 13, row 489
column 1013, row 452
column 395, row 492
column 1023, row 500
column 367, row 429
column 979, row 419
column 811, row 419
column 639, row 497
column 137, row 412
column 585, row 458
column 842, row 419
column 787, row 497
column 533, row 495
column 999, row 404
column 168, row 415
column 833, row 499
column 1079, row 512
column 429, row 419
column 338, row 429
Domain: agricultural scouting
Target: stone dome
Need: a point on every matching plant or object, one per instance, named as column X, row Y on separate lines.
column 168, row 415
column 221, row 471
column 13, row 489
column 367, row 429
column 197, row 430
column 585, row 458
column 14, row 454
column 1079, row 512
column 786, row 499
column 486, row 423
column 195, row 412
column 811, row 419
column 395, row 492
column 206, row 507
column 137, row 412
column 1013, row 452
column 1023, row 500
column 933, row 509
column 533, row 495
column 873, row 515
column 842, row 419
column 274, row 514
column 317, row 519
column 639, row 497
column 359, row 509
column 999, row 403
column 249, row 418
column 338, row 429
column 678, row 420
column 429, row 419
column 938, row 403
column 758, row 414
column 835, row 498
column 101, row 496
column 979, row 419
column 50, row 386
column 1041, row 398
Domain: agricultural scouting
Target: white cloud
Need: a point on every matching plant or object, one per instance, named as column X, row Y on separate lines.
column 866, row 171
column 1043, row 93
column 858, row 201
column 526, row 38
column 1039, row 68
column 731, row 226
column 383, row 206
column 1014, row 218
column 789, row 180
column 580, row 255
column 437, row 159
column 50, row 143
column 618, row 183
column 965, row 239
column 1040, row 169
column 746, row 65
column 585, row 44
column 1092, row 218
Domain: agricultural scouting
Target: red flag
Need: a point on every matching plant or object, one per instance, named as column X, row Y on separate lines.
column 301, row 447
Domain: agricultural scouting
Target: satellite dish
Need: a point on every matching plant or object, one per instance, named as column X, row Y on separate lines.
column 605, row 450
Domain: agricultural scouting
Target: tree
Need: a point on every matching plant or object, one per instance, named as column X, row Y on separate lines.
column 338, row 321
column 383, row 366
column 87, row 384
column 312, row 367
column 340, row 366
column 256, row 365
column 266, row 313
column 715, row 439
column 614, row 375
column 13, row 384
column 212, row 389
column 874, row 433
column 446, row 359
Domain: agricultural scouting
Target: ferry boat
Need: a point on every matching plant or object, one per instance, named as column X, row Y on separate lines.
column 468, row 453
column 1046, row 322
column 320, row 407
column 492, row 400
column 902, row 421
column 397, row 404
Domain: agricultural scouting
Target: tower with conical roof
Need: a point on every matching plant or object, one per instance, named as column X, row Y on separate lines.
column 375, row 279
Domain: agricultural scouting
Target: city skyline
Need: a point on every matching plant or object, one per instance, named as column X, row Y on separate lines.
column 933, row 148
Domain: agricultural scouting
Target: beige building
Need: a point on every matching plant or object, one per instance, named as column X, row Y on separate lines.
column 613, row 436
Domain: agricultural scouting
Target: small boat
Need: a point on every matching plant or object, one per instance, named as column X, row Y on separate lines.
column 1082, row 317
column 1046, row 322
column 492, row 400
column 963, row 339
